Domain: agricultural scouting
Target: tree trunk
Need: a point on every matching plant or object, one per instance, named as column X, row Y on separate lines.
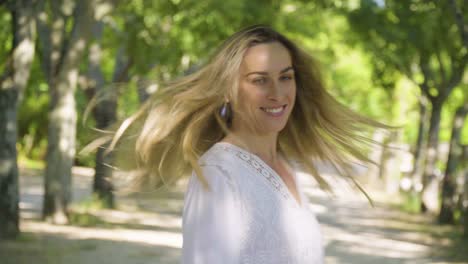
column 429, row 199
column 142, row 86
column 390, row 164
column 449, row 182
column 419, row 157
column 373, row 172
column 12, row 85
column 464, row 196
column 62, row 119
column 8, row 164
column 104, row 114
column 60, row 152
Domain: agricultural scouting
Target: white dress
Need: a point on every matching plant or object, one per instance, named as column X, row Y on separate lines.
column 248, row 217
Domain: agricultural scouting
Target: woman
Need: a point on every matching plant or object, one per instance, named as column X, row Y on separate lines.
column 239, row 123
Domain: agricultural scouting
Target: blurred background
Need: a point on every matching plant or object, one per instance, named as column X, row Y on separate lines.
column 401, row 62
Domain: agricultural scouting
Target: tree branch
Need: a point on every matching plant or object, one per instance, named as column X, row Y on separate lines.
column 459, row 66
column 62, row 11
column 457, row 13
column 44, row 37
column 123, row 64
column 8, row 70
column 442, row 71
column 80, row 33
column 24, row 43
column 3, row 2
column 427, row 74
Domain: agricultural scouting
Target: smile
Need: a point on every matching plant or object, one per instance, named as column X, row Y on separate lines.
column 276, row 111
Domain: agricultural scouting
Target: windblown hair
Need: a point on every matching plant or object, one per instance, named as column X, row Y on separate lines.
column 181, row 121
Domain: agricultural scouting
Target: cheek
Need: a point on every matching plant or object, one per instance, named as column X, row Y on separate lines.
column 250, row 96
column 292, row 93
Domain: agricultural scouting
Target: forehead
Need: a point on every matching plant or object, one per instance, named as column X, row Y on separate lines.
column 269, row 57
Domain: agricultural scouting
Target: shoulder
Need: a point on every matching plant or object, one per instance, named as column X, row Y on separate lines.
column 218, row 166
column 218, row 156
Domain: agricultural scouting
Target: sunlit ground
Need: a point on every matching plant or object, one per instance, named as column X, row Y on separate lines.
column 147, row 229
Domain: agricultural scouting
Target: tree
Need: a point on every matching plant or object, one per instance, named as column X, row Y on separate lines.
column 61, row 52
column 105, row 110
column 410, row 36
column 446, row 215
column 104, row 114
column 464, row 197
column 419, row 154
column 12, row 84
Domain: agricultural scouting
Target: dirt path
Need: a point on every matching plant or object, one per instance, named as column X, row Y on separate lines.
column 147, row 229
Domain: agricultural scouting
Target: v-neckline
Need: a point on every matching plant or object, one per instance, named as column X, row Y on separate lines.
column 298, row 203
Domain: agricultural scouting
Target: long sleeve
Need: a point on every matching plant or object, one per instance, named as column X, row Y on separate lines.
column 212, row 220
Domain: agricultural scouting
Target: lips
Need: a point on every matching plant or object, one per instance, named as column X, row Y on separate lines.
column 274, row 111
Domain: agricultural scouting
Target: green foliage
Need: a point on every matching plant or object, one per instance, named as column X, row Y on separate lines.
column 352, row 83
column 26, row 238
column 347, row 69
column 86, row 220
column 32, row 117
column 169, row 37
column 81, row 214
column 26, row 162
column 411, row 202
column 6, row 36
column 456, row 99
column 128, row 102
column 92, row 203
column 85, row 130
column 363, row 48
column 464, row 137
column 410, row 38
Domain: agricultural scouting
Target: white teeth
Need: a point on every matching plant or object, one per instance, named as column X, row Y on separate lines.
column 273, row 110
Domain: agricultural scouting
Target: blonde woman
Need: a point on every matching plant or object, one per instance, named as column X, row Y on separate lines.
column 239, row 123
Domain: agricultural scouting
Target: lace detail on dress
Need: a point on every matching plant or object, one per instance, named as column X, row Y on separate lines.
column 256, row 221
column 260, row 168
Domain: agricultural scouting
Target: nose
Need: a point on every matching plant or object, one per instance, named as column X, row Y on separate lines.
column 275, row 91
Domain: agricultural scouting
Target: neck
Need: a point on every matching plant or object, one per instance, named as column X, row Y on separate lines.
column 264, row 146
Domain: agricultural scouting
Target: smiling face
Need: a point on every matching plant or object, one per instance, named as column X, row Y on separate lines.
column 267, row 89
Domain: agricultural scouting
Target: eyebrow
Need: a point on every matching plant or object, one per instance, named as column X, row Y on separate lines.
column 266, row 73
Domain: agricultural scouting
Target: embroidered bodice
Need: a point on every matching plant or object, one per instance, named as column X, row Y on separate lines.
column 248, row 216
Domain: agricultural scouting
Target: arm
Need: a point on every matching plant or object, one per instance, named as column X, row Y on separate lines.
column 212, row 220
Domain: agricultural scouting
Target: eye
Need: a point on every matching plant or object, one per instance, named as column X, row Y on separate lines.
column 260, row 80
column 286, row 77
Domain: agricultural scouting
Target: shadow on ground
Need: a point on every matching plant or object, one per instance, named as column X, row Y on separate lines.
column 50, row 248
column 146, row 228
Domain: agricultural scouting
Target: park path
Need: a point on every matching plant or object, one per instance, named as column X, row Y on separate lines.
column 147, row 229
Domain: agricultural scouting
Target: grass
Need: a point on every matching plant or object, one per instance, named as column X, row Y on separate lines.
column 410, row 202
column 26, row 238
column 25, row 162
column 87, row 219
column 91, row 203
column 81, row 214
column 456, row 250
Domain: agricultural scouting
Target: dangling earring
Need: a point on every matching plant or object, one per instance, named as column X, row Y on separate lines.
column 226, row 113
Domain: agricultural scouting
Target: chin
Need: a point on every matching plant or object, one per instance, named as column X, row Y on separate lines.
column 272, row 128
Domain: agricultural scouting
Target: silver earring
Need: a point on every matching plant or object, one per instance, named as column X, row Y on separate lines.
column 226, row 112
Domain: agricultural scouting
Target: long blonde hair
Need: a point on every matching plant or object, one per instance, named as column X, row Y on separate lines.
column 181, row 120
